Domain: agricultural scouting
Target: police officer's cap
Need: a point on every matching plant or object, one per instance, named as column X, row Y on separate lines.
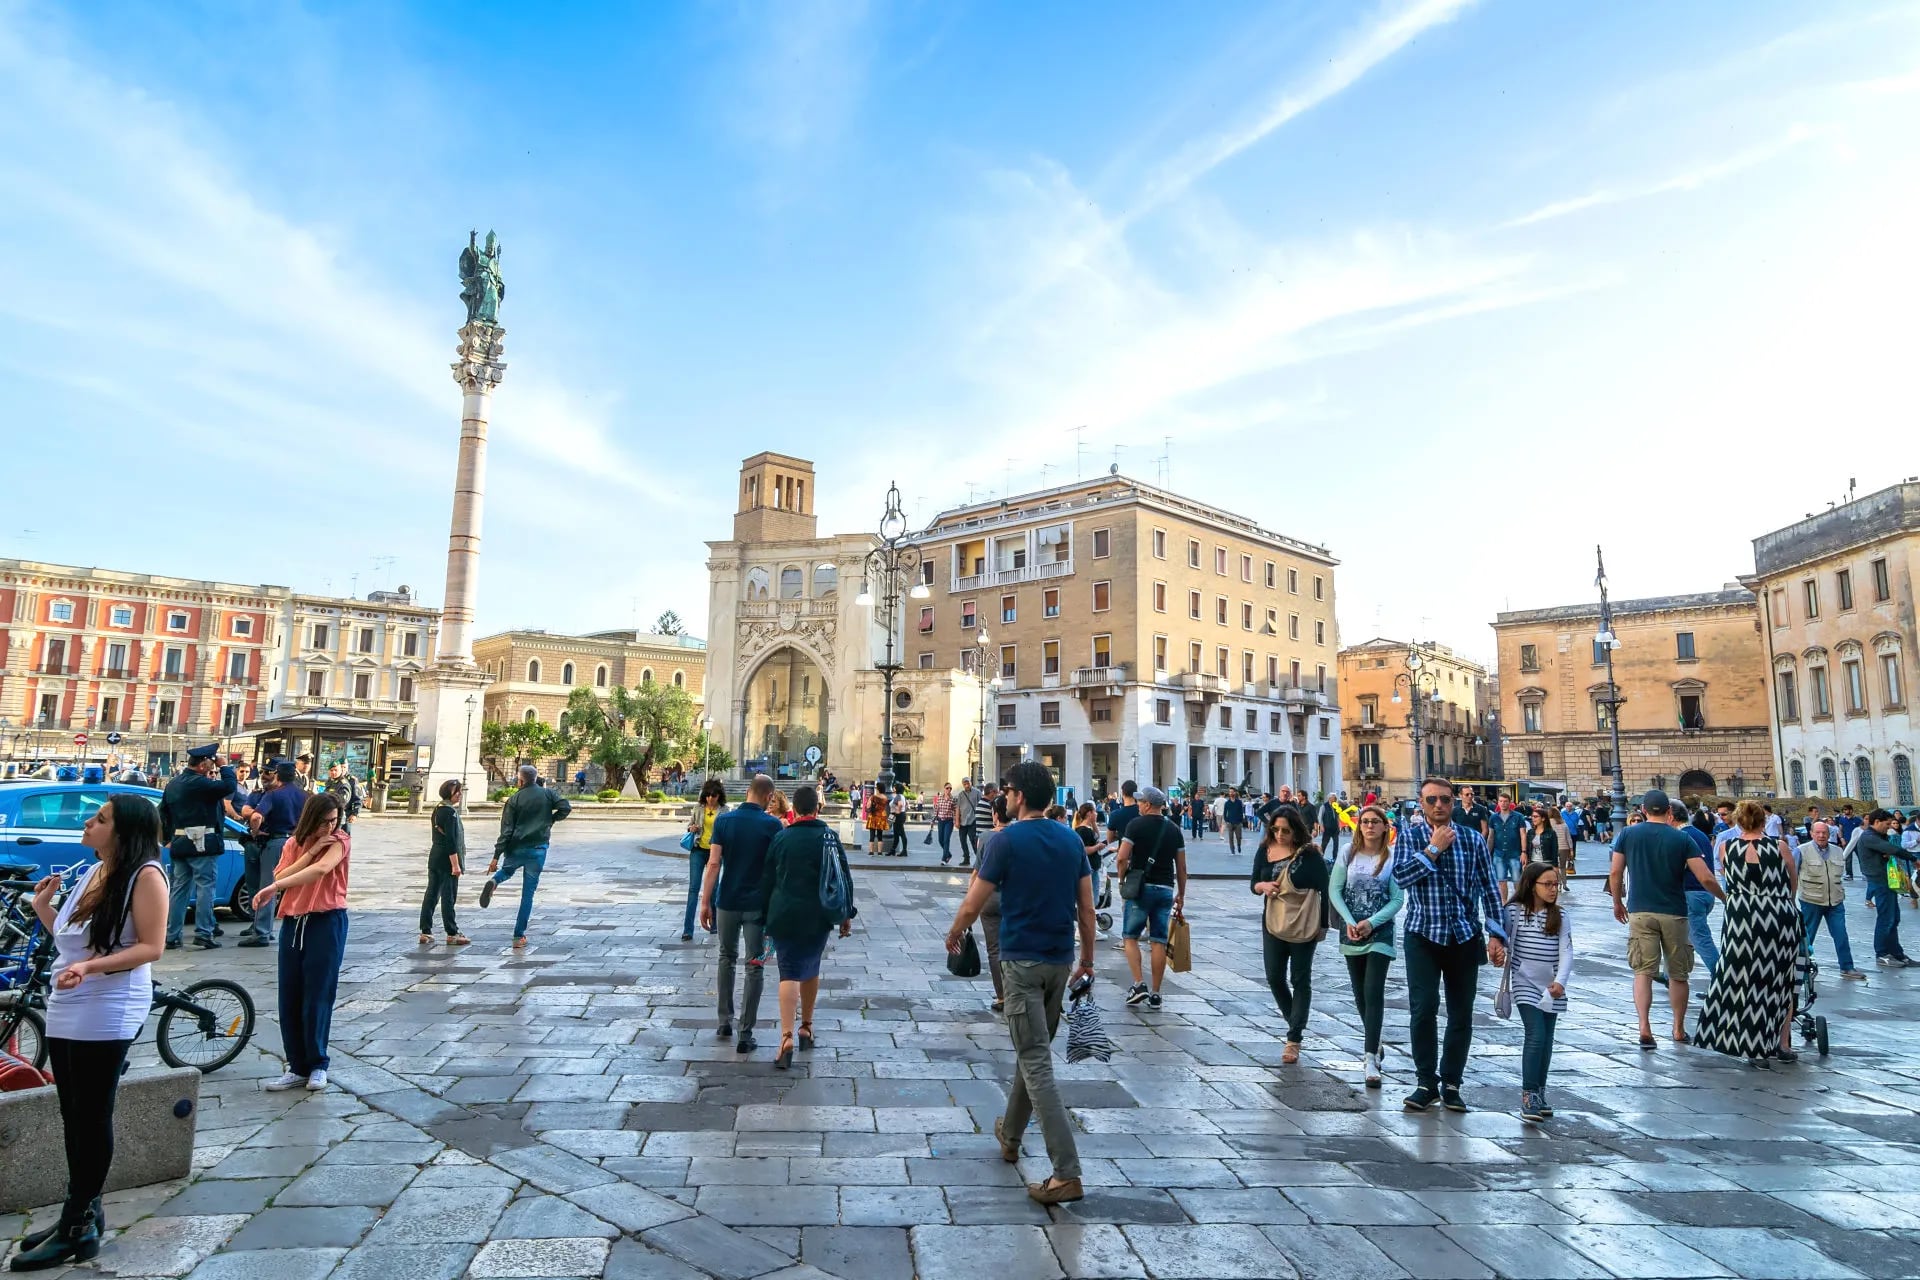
column 207, row 752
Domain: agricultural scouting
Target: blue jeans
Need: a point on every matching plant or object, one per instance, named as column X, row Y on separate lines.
column 311, row 949
column 1536, row 1054
column 191, row 878
column 261, row 855
column 1699, row 907
column 1886, row 922
column 696, row 872
column 1836, row 917
column 946, row 838
column 529, row 864
column 1150, row 913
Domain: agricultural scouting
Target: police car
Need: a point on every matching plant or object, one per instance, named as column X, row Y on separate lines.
column 40, row 826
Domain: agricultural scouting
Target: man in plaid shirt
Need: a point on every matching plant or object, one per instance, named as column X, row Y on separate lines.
column 1448, row 875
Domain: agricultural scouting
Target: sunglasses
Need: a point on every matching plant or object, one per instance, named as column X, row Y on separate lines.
column 1436, row 799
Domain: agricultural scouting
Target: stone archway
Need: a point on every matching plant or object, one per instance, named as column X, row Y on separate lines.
column 784, row 709
column 1696, row 782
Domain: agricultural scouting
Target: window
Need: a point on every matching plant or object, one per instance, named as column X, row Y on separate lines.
column 1683, row 641
column 176, row 622
column 1863, row 778
column 237, row 666
column 566, row 673
column 1193, row 605
column 1811, row 589
column 1050, row 603
column 646, row 675
column 1246, row 666
column 600, row 677
column 1829, row 778
column 1319, row 631
column 1193, row 656
column 1320, row 678
column 410, row 644
column 1009, row 669
column 1220, row 561
column 1273, row 669
column 1369, row 711
column 1103, row 651
column 1273, row 722
column 1246, row 568
column 1902, row 780
column 533, row 671
column 243, row 626
column 1843, row 587
column 1009, row 608
column 1369, row 758
column 1883, row 589
column 926, row 662
column 1159, row 544
column 1049, row 713
column 1058, row 538
column 1692, row 711
column 1193, row 554
column 316, row 684
column 1602, row 717
column 826, row 577
column 1102, row 548
column 1220, row 662
column 1159, row 597
column 758, row 583
column 1294, row 673
column 1159, row 653
column 1272, row 568
column 1198, row 713
column 317, row 638
column 926, row 618
column 1856, row 686
column 1007, row 712
column 1293, row 582
column 1788, row 696
column 1100, row 711
column 1797, row 777
column 1777, row 607
column 362, row 684
column 1246, row 616
column 1319, row 587
column 173, row 662
column 1606, row 761
column 406, row 688
column 1326, row 726
column 61, row 611
column 1226, row 717
column 1162, row 711
column 1890, row 679
column 117, row 659
column 833, row 585
column 791, row 583
column 121, row 615
column 1536, row 763
column 1817, row 687
column 1220, row 610
column 1530, row 717
column 1599, row 654
column 366, row 640
column 1529, row 657
column 968, row 620
column 1102, row 596
column 1050, row 658
column 531, row 717
column 1293, row 626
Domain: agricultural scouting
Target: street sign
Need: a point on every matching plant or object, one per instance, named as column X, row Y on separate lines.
column 113, row 739
column 79, row 739
column 813, row 755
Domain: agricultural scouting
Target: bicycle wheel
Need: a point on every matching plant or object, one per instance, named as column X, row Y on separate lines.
column 205, row 1025
column 23, row 1033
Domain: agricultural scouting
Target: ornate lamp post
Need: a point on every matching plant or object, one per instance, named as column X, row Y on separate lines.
column 1608, row 642
column 1420, row 678
column 889, row 566
column 980, row 674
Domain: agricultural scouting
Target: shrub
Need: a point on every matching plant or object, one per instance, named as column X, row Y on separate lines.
column 656, row 796
column 400, row 795
column 608, row 796
column 839, row 797
column 500, row 794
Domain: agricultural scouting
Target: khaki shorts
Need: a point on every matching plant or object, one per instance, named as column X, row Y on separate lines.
column 1650, row 936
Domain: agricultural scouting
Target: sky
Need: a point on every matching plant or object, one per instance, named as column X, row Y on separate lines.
column 1457, row 290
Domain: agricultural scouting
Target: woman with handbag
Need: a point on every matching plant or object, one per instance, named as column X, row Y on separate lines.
column 1367, row 897
column 713, row 803
column 1291, row 879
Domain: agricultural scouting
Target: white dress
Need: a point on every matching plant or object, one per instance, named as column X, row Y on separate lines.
column 105, row 1006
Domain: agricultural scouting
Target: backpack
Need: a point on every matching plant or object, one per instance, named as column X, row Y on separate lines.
column 836, row 895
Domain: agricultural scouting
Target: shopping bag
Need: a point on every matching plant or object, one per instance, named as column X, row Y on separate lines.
column 1179, row 946
column 965, row 963
column 1896, row 878
column 1086, row 1038
column 686, row 842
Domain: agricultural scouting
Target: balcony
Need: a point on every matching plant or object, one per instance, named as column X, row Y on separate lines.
column 56, row 669
column 117, row 673
column 1204, row 683
column 172, row 676
column 1101, row 680
column 824, row 607
column 1010, row 577
column 47, row 724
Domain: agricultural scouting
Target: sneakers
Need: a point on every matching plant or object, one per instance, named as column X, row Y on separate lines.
column 1450, row 1098
column 1853, row 975
column 1540, row 1103
column 1530, row 1108
column 1893, row 962
column 486, row 892
column 1153, row 1000
column 1372, row 1065
column 291, row 1080
column 206, row 944
column 317, row 1081
column 1137, row 993
column 1421, row 1099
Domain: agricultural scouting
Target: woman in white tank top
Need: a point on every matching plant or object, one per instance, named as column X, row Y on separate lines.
column 107, row 934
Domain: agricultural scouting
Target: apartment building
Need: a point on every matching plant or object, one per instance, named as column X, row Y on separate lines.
column 1382, row 683
column 363, row 657
column 535, row 672
column 1838, row 594
column 1137, row 633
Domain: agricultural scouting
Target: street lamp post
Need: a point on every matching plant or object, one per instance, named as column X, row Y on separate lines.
column 1608, row 642
column 980, row 674
column 891, row 563
column 1419, row 677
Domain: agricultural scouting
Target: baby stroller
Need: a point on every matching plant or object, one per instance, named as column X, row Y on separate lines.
column 1103, row 900
column 1812, row 1026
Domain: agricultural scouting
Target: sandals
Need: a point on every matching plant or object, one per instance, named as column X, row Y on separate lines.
column 806, row 1035
column 785, row 1060
column 1290, row 1054
column 459, row 940
column 519, row 944
column 425, row 938
column 1649, row 1043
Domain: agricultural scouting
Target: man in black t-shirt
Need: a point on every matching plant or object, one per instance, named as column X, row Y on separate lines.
column 1470, row 813
column 1129, row 810
column 1154, row 839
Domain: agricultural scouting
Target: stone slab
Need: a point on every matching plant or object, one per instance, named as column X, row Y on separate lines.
column 151, row 1143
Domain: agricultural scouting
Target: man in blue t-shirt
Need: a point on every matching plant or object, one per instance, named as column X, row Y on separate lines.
column 1653, row 859
column 730, row 902
column 1040, row 869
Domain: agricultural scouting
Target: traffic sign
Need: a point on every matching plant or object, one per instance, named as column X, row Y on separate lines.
column 113, row 739
column 79, row 739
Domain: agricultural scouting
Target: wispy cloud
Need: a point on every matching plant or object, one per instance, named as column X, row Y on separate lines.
column 803, row 70
column 1689, row 180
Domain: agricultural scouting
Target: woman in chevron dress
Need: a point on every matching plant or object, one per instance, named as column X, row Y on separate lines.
column 1749, row 1009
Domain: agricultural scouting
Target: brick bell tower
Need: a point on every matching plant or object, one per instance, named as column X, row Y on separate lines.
column 776, row 500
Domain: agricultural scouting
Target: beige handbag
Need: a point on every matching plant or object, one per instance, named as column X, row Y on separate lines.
column 1293, row 915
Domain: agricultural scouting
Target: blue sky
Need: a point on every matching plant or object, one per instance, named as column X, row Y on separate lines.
column 1457, row 289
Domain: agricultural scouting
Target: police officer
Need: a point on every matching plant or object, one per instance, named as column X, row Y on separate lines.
column 272, row 815
column 192, row 810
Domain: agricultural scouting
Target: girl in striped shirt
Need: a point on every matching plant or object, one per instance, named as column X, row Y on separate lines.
column 1539, row 962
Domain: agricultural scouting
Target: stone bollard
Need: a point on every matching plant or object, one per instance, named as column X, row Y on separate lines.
column 154, row 1120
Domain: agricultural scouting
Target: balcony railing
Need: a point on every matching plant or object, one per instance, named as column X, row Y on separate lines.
column 824, row 607
column 1011, row 577
column 1113, row 673
column 117, row 673
column 57, row 669
column 176, row 677
column 47, row 724
column 1204, row 683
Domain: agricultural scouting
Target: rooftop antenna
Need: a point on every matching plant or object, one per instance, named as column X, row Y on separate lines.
column 1851, row 482
column 1006, row 490
column 1079, row 450
column 353, row 586
column 1045, row 469
column 1115, row 468
column 1166, row 462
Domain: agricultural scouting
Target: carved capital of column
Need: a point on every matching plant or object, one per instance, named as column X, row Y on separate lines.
column 480, row 367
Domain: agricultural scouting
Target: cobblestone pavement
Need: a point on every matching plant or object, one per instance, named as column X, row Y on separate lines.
column 568, row 1112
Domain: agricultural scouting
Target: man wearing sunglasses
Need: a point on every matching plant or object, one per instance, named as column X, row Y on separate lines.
column 1453, row 902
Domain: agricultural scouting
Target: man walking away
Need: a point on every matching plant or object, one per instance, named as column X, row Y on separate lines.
column 966, row 811
column 526, row 827
column 1128, row 810
column 272, row 816
column 1452, row 903
column 1874, row 850
column 1699, row 901
column 730, row 901
column 192, row 828
column 1155, row 842
column 1327, row 830
column 1823, row 896
column 1234, row 815
column 1046, row 892
column 1654, row 859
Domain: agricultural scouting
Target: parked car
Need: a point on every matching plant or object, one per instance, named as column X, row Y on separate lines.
column 40, row 826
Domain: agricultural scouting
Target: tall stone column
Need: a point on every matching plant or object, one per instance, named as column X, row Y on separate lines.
column 452, row 690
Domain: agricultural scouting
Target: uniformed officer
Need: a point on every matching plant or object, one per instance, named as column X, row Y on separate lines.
column 191, row 812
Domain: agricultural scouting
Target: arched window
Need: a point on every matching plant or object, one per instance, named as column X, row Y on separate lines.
column 566, row 673
column 790, row 583
column 757, row 584
column 531, row 715
column 646, row 676
column 1863, row 778
column 679, row 679
column 826, row 580
column 1797, row 777
column 1902, row 780
column 1829, row 778
column 563, row 722
column 533, row 672
column 600, row 676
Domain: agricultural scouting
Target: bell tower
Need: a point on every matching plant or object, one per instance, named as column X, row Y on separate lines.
column 776, row 500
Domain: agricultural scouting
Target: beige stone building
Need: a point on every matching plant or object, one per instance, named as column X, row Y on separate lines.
column 1692, row 671
column 1838, row 593
column 535, row 672
column 1378, row 691
column 363, row 657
